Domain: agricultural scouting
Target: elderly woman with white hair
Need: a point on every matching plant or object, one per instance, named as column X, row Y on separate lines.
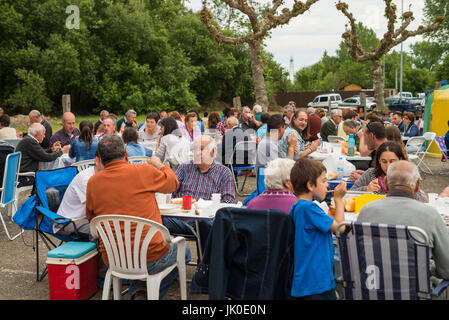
column 278, row 194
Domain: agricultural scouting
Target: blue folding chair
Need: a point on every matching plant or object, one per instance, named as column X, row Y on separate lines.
column 261, row 180
column 8, row 197
column 50, row 188
column 260, row 177
column 385, row 262
column 245, row 152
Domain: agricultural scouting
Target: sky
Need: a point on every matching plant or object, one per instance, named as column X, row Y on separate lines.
column 307, row 36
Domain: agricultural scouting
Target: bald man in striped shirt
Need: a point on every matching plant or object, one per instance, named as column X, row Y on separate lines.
column 201, row 178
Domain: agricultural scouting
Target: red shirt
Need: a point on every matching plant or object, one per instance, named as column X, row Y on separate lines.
column 315, row 126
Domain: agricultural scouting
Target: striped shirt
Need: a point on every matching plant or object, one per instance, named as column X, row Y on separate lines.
column 218, row 179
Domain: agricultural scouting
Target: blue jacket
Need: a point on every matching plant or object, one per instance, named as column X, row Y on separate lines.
column 79, row 151
column 135, row 149
column 412, row 131
column 248, row 255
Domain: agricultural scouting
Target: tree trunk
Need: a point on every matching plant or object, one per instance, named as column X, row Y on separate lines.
column 378, row 85
column 257, row 68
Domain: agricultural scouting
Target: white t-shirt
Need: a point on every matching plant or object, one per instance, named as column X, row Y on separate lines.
column 73, row 205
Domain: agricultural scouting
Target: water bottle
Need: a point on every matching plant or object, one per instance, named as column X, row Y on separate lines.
column 340, row 167
column 351, row 145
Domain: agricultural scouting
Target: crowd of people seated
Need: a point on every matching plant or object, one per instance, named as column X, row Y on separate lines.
column 190, row 156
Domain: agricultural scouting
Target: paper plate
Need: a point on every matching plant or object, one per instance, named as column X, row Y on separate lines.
column 168, row 208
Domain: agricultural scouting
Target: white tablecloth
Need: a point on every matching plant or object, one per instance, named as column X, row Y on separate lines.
column 61, row 162
column 322, row 156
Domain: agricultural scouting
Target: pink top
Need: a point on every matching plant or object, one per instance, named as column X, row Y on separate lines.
column 269, row 199
column 185, row 132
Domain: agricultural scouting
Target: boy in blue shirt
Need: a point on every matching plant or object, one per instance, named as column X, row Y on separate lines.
column 313, row 277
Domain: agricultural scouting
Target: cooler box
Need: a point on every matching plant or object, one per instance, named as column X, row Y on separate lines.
column 72, row 271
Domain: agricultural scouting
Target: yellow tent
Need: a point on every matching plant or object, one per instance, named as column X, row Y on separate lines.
column 439, row 116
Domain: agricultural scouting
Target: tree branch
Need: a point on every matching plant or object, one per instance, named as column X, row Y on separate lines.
column 260, row 29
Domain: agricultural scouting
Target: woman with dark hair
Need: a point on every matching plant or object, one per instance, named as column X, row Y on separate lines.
column 394, row 134
column 172, row 147
column 84, row 147
column 150, row 131
column 190, row 129
column 411, row 129
column 6, row 132
column 135, row 149
column 373, row 179
column 213, row 120
column 299, row 126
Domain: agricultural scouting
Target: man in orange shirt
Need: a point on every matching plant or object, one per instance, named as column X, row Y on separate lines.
column 122, row 188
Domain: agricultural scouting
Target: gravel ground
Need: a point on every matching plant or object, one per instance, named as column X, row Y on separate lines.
column 17, row 258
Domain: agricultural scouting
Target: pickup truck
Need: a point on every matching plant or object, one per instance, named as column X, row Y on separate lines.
column 404, row 104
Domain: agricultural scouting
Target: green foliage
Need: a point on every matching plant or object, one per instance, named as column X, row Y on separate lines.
column 140, row 54
column 30, row 93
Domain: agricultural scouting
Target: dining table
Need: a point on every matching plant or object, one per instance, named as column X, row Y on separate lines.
column 60, row 162
column 201, row 210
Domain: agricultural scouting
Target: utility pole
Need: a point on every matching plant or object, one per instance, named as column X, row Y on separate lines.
column 292, row 70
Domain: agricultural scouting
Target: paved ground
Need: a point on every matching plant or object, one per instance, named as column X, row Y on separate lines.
column 17, row 258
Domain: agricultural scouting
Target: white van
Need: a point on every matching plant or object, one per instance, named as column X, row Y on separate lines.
column 322, row 101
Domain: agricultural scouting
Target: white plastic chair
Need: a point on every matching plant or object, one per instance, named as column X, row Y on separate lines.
column 429, row 136
column 82, row 165
column 130, row 262
column 138, row 159
column 413, row 146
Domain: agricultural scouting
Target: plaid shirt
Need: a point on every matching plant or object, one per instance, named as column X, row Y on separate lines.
column 202, row 185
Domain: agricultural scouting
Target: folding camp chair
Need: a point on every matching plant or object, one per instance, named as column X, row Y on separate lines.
column 244, row 153
column 50, row 188
column 260, row 180
column 385, row 262
column 8, row 197
column 444, row 151
column 429, row 136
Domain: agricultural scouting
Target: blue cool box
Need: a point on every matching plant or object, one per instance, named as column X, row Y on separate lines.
column 72, row 250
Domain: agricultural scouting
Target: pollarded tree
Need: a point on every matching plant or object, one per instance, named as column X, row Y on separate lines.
column 261, row 22
column 391, row 38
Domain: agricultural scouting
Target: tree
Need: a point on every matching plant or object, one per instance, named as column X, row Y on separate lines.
column 260, row 24
column 30, row 94
column 390, row 39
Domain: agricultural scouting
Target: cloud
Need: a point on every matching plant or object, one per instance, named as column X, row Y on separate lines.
column 307, row 36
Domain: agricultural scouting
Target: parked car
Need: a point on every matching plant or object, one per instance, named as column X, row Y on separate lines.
column 404, row 94
column 404, row 104
column 322, row 101
column 355, row 102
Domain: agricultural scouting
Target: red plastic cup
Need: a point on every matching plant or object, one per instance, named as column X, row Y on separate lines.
column 187, row 202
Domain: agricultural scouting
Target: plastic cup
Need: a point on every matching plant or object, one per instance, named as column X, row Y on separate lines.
column 187, row 202
column 216, row 198
column 337, row 147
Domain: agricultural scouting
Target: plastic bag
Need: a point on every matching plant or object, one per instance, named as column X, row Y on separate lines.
column 331, row 164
